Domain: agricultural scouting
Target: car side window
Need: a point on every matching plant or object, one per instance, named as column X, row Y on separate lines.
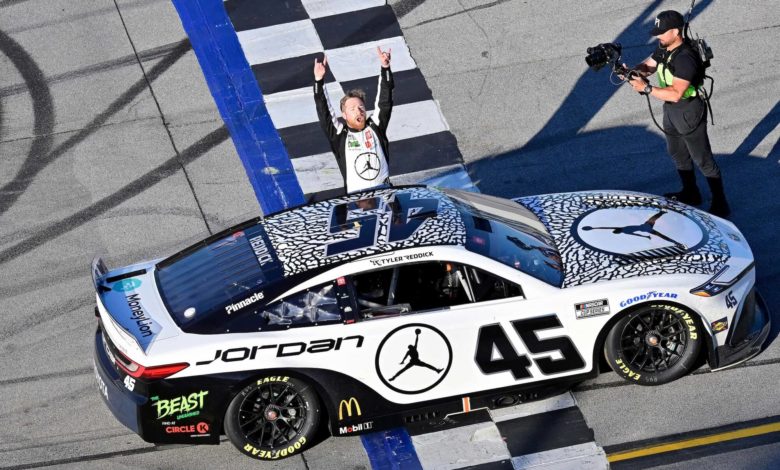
column 412, row 287
column 485, row 286
column 312, row 306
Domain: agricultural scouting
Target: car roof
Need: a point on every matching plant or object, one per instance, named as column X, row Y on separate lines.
column 338, row 230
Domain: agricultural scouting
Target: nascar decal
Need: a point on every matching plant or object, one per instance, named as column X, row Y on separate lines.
column 591, row 308
column 379, row 221
column 413, row 358
column 593, row 229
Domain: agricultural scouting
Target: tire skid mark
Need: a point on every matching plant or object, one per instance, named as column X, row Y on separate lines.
column 52, row 375
column 40, row 158
column 125, row 61
column 12, row 328
column 89, row 436
column 146, row 181
column 70, row 397
column 70, row 19
column 457, row 13
column 43, row 109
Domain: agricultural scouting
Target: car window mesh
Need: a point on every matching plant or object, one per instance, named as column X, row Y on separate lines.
column 312, row 306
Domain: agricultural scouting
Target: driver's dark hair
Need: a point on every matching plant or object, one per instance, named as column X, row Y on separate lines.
column 354, row 93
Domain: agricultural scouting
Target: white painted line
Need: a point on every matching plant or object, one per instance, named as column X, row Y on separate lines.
column 294, row 107
column 767, row 144
column 586, row 456
column 461, row 447
column 565, row 400
column 360, row 61
column 320, row 8
column 281, row 41
column 415, row 119
column 318, row 173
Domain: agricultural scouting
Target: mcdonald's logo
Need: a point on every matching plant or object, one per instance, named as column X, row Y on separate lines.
column 347, row 404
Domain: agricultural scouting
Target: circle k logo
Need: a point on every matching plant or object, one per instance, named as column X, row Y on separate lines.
column 202, row 428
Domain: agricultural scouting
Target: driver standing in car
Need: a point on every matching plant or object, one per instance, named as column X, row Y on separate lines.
column 359, row 143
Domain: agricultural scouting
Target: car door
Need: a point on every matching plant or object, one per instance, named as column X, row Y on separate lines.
column 444, row 328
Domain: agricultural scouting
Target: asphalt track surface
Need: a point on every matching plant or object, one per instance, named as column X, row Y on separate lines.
column 110, row 144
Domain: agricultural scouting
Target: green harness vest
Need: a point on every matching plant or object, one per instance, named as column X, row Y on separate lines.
column 665, row 76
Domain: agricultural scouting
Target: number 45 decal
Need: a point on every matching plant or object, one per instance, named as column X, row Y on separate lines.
column 494, row 336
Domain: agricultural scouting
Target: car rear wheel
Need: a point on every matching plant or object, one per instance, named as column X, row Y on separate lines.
column 272, row 418
column 654, row 344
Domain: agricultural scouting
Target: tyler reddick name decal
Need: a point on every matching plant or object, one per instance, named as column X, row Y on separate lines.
column 261, row 250
column 398, row 259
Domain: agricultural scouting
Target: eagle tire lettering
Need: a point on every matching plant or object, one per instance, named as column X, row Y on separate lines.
column 653, row 344
column 273, row 418
column 493, row 337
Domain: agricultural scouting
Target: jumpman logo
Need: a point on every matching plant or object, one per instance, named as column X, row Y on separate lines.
column 414, row 358
column 647, row 227
column 370, row 165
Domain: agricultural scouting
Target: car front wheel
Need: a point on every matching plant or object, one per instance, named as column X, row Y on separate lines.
column 654, row 344
column 273, row 418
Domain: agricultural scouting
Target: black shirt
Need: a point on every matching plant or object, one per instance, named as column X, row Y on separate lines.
column 683, row 63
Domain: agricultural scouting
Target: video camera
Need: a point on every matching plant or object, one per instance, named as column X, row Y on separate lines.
column 608, row 53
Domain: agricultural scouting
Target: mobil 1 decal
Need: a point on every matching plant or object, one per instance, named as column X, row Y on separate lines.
column 413, row 358
column 639, row 232
column 497, row 353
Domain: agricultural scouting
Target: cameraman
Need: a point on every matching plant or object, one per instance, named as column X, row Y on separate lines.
column 680, row 74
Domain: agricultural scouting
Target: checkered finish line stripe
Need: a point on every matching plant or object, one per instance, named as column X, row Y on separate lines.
column 281, row 39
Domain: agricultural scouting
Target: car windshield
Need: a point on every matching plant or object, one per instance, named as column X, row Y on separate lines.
column 217, row 272
column 509, row 233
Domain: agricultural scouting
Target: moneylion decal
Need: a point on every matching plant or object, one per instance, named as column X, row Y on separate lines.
column 413, row 358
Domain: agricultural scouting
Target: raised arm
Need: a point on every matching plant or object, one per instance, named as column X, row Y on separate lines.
column 383, row 106
column 328, row 121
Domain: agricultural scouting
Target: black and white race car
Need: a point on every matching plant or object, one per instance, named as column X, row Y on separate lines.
column 386, row 307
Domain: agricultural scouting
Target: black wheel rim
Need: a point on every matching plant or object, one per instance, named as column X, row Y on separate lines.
column 654, row 340
column 272, row 415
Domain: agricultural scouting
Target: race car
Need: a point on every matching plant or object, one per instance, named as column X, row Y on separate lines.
column 409, row 304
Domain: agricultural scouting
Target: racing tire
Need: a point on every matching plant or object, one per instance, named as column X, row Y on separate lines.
column 273, row 418
column 654, row 344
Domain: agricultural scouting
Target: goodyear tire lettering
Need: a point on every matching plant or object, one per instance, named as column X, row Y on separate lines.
column 663, row 348
column 263, row 449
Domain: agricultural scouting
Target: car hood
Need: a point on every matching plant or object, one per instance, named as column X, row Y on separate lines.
column 605, row 235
